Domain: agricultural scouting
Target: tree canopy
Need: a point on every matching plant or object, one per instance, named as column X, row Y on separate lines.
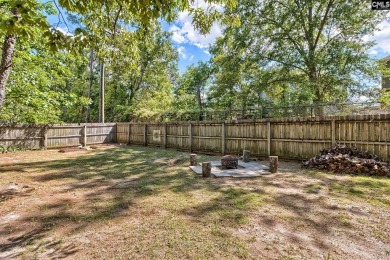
column 280, row 53
column 316, row 45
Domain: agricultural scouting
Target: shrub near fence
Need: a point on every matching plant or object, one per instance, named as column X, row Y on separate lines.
column 292, row 138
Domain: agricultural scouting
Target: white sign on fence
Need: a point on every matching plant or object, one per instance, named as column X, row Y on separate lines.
column 156, row 136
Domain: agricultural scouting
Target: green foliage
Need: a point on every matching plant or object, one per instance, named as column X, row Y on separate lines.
column 124, row 34
column 192, row 86
column 23, row 17
column 42, row 85
column 236, row 78
column 307, row 51
column 147, row 12
column 141, row 85
column 27, row 20
column 384, row 98
column 272, row 52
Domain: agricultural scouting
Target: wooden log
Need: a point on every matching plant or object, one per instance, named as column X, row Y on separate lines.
column 206, row 169
column 246, row 156
column 273, row 164
column 193, row 161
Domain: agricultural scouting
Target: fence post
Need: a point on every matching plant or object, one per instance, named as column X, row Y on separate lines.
column 45, row 137
column 190, row 136
column 145, row 135
column 269, row 138
column 333, row 132
column 116, row 133
column 223, row 138
column 85, row 136
column 129, row 134
column 165, row 136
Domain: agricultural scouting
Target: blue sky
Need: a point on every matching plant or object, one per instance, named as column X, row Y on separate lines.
column 193, row 47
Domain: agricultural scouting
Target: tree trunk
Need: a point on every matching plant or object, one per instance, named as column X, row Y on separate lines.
column 318, row 101
column 6, row 64
column 317, row 90
column 87, row 115
column 102, row 85
column 199, row 98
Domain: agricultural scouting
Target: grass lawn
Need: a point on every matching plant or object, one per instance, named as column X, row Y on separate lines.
column 142, row 203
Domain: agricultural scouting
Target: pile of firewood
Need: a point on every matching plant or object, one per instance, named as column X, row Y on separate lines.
column 350, row 160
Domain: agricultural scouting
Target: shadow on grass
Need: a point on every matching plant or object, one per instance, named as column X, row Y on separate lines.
column 372, row 189
column 108, row 184
column 111, row 182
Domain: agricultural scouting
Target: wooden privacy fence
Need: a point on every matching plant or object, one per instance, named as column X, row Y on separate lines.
column 293, row 138
column 53, row 136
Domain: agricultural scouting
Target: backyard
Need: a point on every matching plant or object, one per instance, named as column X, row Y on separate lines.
column 122, row 201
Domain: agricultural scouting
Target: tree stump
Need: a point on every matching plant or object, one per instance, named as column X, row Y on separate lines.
column 193, row 161
column 273, row 164
column 206, row 169
column 246, row 155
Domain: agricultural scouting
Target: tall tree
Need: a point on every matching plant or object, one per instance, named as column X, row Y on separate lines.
column 45, row 87
column 317, row 44
column 149, row 66
column 236, row 83
column 19, row 19
column 194, row 81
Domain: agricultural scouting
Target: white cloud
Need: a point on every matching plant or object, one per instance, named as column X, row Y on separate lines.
column 63, row 31
column 176, row 36
column 184, row 32
column 182, row 52
column 381, row 38
column 373, row 52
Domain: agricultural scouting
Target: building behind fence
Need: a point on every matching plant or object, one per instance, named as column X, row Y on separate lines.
column 292, row 138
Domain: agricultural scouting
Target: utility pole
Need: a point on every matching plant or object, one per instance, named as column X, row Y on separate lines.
column 101, row 92
column 87, row 114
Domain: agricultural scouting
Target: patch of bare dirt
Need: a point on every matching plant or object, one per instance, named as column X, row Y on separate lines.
column 170, row 161
column 105, row 146
column 300, row 222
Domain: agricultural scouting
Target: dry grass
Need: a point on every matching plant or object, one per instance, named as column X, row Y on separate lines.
column 145, row 203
